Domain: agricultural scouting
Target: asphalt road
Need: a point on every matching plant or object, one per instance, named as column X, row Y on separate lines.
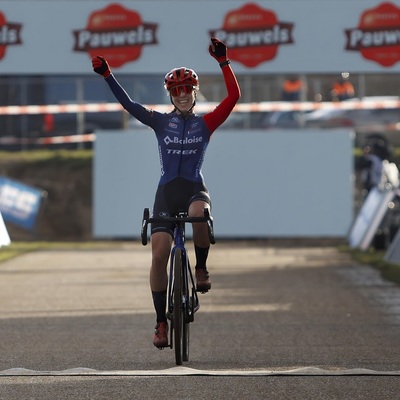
column 279, row 323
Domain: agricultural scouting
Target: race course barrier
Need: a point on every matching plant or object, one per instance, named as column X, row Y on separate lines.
column 392, row 102
column 9, row 140
column 366, row 103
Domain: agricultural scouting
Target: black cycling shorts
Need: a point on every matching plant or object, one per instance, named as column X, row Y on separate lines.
column 175, row 197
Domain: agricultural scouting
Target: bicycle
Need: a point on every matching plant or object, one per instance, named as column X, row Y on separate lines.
column 183, row 301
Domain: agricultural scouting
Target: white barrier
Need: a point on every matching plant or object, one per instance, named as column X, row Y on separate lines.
column 277, row 184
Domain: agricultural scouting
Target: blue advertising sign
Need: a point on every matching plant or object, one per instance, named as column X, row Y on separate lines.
column 19, row 203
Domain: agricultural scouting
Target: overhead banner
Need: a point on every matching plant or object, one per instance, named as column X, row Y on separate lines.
column 304, row 36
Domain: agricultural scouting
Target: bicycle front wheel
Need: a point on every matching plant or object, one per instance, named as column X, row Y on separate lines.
column 178, row 307
column 185, row 341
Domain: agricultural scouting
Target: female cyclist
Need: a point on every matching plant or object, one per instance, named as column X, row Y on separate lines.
column 182, row 139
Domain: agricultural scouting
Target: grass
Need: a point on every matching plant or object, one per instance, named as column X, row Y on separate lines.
column 44, row 155
column 73, row 159
column 375, row 258
column 16, row 249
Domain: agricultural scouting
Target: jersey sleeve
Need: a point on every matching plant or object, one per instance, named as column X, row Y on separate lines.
column 137, row 110
column 216, row 117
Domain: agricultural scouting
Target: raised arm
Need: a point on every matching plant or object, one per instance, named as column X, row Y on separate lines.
column 215, row 118
column 144, row 115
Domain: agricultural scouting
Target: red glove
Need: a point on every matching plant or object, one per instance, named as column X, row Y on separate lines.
column 100, row 66
column 218, row 50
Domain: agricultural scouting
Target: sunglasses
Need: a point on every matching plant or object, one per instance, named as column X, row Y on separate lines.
column 176, row 91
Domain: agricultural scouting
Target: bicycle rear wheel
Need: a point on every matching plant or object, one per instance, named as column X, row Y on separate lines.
column 178, row 315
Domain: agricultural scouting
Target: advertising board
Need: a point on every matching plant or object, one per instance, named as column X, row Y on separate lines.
column 60, row 37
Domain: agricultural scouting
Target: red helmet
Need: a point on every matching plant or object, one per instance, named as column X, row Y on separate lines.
column 181, row 76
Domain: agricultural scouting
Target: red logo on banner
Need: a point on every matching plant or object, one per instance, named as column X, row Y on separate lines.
column 377, row 36
column 253, row 34
column 116, row 33
column 10, row 34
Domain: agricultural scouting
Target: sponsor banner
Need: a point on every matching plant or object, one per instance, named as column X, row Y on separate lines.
column 377, row 36
column 253, row 34
column 278, row 36
column 19, row 203
column 10, row 34
column 117, row 33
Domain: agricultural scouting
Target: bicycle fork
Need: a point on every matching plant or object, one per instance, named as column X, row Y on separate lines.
column 190, row 300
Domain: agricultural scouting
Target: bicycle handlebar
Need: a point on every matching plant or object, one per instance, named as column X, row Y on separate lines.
column 176, row 220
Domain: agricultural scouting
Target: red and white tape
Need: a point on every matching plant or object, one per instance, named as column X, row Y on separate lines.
column 205, row 107
column 200, row 108
column 59, row 108
column 88, row 137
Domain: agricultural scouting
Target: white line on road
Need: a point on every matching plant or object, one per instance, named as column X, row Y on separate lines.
column 185, row 371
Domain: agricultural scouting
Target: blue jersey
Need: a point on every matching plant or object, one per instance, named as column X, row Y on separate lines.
column 182, row 142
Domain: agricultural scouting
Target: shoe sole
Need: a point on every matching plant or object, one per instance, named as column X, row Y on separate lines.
column 203, row 290
column 160, row 347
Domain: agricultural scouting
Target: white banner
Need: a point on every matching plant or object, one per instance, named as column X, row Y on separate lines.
column 320, row 36
column 281, row 184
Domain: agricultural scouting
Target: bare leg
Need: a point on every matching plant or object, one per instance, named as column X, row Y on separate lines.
column 200, row 230
column 201, row 245
column 161, row 246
